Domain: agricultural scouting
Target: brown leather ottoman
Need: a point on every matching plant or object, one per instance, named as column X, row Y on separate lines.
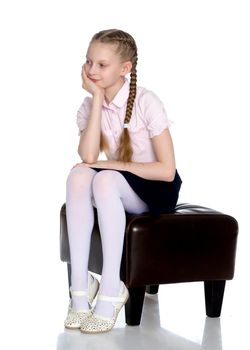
column 192, row 244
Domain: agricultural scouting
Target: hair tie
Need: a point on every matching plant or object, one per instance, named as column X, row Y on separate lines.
column 125, row 125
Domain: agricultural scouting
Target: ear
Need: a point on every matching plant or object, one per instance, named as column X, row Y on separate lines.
column 126, row 68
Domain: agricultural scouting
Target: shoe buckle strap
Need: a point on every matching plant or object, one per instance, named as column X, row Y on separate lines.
column 79, row 293
column 111, row 299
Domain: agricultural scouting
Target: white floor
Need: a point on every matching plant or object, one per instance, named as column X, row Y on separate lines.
column 174, row 319
column 161, row 327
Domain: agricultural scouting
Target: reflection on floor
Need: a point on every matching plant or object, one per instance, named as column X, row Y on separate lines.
column 151, row 334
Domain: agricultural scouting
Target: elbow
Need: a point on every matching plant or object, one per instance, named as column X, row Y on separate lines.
column 90, row 159
column 170, row 175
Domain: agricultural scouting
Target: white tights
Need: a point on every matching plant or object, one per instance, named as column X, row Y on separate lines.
column 111, row 194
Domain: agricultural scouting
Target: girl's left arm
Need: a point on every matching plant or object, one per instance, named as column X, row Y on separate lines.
column 162, row 170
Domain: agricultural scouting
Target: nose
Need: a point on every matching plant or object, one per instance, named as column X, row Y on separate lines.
column 92, row 70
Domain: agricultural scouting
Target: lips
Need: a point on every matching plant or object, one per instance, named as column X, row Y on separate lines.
column 94, row 80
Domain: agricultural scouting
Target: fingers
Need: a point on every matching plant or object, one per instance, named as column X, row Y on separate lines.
column 83, row 73
column 83, row 70
column 85, row 78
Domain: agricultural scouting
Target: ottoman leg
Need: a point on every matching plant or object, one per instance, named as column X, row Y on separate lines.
column 133, row 307
column 214, row 292
column 152, row 289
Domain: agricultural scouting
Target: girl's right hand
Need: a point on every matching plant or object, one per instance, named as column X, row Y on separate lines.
column 89, row 85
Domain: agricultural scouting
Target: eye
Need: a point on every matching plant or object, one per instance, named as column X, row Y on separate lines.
column 102, row 65
column 87, row 62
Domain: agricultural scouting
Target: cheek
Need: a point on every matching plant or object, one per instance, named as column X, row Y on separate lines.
column 107, row 76
column 112, row 74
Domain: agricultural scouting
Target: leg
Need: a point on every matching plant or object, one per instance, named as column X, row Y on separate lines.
column 80, row 221
column 134, row 305
column 214, row 291
column 113, row 195
column 152, row 289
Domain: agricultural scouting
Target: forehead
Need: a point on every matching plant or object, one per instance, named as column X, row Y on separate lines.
column 98, row 51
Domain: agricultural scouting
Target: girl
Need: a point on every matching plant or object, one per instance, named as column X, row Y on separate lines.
column 130, row 125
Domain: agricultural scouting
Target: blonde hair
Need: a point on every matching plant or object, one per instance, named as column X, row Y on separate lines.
column 127, row 50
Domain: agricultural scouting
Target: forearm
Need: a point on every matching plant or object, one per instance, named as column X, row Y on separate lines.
column 89, row 145
column 150, row 171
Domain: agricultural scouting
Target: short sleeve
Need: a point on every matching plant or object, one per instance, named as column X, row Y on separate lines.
column 154, row 113
column 83, row 114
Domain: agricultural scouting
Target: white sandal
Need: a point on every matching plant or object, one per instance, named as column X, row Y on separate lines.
column 75, row 318
column 99, row 324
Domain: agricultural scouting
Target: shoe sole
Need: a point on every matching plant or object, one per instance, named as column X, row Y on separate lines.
column 69, row 327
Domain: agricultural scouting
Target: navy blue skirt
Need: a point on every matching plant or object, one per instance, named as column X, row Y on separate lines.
column 160, row 196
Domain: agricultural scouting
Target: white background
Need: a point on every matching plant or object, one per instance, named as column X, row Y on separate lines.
column 193, row 54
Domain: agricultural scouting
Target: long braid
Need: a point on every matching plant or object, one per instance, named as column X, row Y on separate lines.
column 125, row 150
column 128, row 51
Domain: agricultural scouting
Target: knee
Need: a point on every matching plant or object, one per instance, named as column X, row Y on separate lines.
column 79, row 178
column 104, row 183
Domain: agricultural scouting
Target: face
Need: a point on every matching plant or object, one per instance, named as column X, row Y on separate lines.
column 104, row 66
